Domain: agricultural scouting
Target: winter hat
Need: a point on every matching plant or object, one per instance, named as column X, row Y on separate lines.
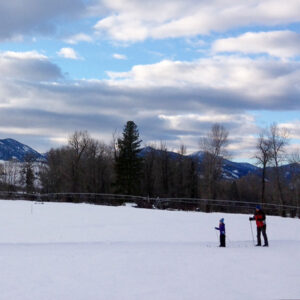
column 222, row 220
column 257, row 207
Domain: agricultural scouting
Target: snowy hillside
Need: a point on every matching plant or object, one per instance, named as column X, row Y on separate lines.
column 78, row 251
column 12, row 149
column 231, row 170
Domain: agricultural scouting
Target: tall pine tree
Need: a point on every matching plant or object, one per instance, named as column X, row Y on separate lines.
column 128, row 162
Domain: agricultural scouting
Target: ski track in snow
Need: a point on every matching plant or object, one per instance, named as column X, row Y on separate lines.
column 76, row 251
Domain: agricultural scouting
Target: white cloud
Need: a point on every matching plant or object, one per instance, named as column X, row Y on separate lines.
column 23, row 55
column 191, row 122
column 69, row 53
column 134, row 20
column 119, row 56
column 27, row 66
column 254, row 79
column 18, row 18
column 275, row 43
column 77, row 38
column 126, row 29
column 293, row 128
column 174, row 101
column 222, row 83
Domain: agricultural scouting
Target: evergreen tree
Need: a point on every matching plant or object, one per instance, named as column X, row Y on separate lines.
column 27, row 173
column 29, row 180
column 128, row 162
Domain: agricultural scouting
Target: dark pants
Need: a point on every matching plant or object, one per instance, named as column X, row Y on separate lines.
column 263, row 231
column 222, row 240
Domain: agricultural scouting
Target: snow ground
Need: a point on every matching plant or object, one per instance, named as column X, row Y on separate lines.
column 77, row 251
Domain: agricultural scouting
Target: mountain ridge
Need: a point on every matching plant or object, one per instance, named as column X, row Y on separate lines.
column 12, row 149
column 231, row 170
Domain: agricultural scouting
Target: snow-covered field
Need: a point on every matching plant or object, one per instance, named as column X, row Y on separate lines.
column 64, row 251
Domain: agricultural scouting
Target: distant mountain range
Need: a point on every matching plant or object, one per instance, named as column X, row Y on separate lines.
column 12, row 149
column 233, row 170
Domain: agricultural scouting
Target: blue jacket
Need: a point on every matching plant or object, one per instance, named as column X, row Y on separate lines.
column 221, row 228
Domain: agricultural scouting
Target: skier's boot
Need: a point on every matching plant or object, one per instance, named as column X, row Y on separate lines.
column 257, row 245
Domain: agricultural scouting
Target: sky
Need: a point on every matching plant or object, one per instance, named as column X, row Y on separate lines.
column 173, row 67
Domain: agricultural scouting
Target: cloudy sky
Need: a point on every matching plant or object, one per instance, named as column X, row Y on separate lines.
column 174, row 67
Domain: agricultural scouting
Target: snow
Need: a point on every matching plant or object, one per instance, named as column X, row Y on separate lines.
column 25, row 148
column 77, row 251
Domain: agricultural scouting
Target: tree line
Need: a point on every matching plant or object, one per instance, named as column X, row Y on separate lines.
column 87, row 165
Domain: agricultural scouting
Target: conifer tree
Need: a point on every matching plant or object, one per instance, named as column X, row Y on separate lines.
column 128, row 162
column 27, row 173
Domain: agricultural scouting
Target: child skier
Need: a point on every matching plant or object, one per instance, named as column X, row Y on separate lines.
column 221, row 228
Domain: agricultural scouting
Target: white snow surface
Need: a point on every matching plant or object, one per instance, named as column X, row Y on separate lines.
column 78, row 251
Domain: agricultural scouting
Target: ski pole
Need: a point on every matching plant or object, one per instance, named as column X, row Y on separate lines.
column 227, row 237
column 217, row 236
column 252, row 233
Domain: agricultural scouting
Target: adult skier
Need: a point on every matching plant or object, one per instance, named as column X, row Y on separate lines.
column 221, row 228
column 260, row 218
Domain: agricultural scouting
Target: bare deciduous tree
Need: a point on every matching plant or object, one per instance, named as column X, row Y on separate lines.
column 278, row 140
column 85, row 165
column 214, row 147
column 165, row 168
column 78, row 144
column 149, row 170
column 11, row 171
column 263, row 157
column 294, row 157
column 294, row 160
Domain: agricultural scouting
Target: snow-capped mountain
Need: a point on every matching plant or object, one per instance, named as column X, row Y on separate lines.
column 145, row 151
column 235, row 170
column 231, row 170
column 12, row 149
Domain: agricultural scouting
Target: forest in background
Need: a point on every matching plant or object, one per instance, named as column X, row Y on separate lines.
column 87, row 165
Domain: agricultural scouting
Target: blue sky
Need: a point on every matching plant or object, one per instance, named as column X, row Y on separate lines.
column 174, row 67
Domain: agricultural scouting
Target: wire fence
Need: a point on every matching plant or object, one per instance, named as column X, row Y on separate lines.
column 188, row 204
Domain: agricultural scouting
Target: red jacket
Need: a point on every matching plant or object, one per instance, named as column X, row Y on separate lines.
column 260, row 218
